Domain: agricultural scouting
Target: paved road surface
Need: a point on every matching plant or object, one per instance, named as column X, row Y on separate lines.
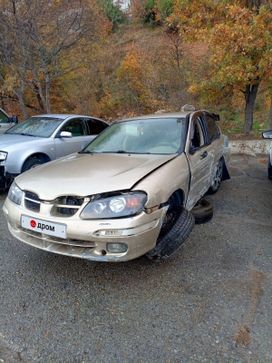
column 210, row 303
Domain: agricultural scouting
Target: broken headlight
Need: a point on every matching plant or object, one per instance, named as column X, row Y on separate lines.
column 116, row 206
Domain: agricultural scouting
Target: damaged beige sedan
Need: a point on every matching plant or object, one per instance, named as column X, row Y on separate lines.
column 130, row 192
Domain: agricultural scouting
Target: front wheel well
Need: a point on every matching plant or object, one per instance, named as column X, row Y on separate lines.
column 41, row 156
column 177, row 199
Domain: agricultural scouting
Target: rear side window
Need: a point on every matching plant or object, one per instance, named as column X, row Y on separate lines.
column 95, row 126
column 212, row 128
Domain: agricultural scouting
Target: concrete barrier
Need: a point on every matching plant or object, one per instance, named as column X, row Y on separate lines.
column 250, row 147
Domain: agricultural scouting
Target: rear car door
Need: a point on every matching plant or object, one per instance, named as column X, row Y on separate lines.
column 215, row 140
column 199, row 158
column 5, row 122
column 80, row 138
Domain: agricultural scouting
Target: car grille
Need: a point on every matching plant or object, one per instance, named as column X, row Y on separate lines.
column 65, row 206
column 2, row 170
column 32, row 201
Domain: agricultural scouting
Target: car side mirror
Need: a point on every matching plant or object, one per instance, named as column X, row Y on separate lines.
column 267, row 134
column 65, row 134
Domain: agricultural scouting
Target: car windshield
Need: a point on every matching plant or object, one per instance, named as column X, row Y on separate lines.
column 143, row 136
column 36, row 126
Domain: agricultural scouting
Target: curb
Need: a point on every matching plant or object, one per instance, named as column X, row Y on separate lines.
column 250, row 147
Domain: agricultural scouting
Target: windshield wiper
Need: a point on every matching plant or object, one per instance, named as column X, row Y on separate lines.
column 132, row 152
column 86, row 152
column 113, row 152
column 26, row 134
column 118, row 152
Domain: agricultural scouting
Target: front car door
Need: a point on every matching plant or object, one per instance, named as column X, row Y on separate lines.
column 78, row 140
column 200, row 159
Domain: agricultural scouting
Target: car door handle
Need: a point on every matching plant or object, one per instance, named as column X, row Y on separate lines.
column 204, row 155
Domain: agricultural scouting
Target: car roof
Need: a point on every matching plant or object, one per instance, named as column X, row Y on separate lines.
column 63, row 115
column 159, row 115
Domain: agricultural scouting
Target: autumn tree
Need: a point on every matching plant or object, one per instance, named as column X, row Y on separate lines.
column 153, row 12
column 239, row 36
column 133, row 78
column 34, row 39
column 112, row 10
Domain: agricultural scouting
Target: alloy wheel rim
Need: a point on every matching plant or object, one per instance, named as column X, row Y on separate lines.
column 217, row 175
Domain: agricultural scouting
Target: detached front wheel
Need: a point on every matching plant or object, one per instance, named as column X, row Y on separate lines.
column 202, row 211
column 174, row 232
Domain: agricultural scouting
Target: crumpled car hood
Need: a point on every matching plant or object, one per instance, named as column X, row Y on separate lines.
column 88, row 174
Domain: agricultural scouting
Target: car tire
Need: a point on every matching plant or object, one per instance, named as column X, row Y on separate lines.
column 202, row 211
column 171, row 241
column 32, row 162
column 217, row 176
column 269, row 171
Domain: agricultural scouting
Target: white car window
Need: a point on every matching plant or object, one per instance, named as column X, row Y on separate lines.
column 76, row 127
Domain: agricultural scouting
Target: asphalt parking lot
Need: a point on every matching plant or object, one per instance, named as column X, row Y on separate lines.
column 210, row 303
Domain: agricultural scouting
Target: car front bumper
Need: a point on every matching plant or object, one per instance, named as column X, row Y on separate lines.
column 138, row 233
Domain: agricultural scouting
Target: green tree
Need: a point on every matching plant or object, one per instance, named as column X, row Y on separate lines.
column 239, row 37
column 113, row 12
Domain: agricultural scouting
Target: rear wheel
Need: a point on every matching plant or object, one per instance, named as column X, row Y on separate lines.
column 175, row 230
column 32, row 162
column 217, row 176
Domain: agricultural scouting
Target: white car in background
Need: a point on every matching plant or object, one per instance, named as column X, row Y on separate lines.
column 44, row 138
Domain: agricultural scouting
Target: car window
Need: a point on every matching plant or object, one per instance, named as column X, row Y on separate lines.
column 76, row 127
column 95, row 126
column 4, row 118
column 142, row 136
column 197, row 137
column 212, row 128
column 36, row 126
